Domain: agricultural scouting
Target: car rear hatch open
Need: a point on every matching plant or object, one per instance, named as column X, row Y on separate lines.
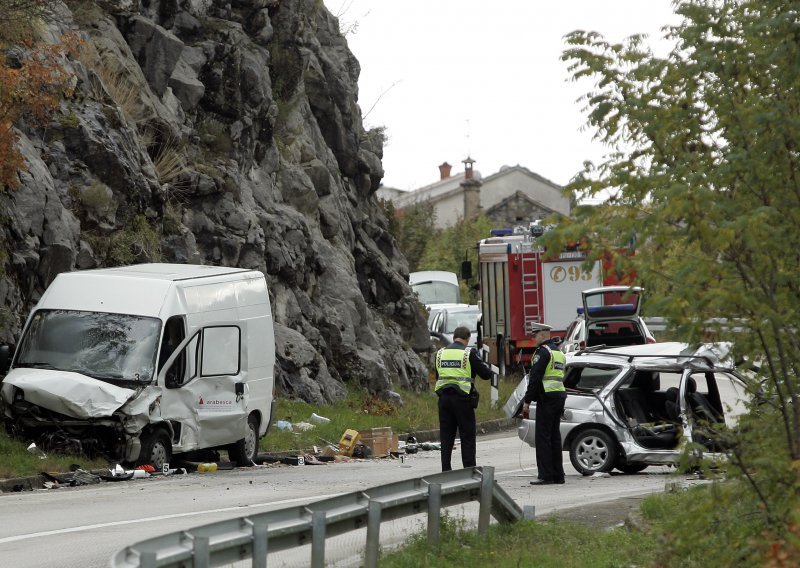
column 612, row 302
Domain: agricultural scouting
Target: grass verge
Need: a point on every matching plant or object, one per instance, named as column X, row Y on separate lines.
column 549, row 544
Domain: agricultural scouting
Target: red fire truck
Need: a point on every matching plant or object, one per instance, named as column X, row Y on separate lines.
column 521, row 284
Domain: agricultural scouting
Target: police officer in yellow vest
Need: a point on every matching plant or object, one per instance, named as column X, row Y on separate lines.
column 546, row 388
column 456, row 366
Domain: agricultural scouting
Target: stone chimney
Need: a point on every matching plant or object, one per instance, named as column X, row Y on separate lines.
column 472, row 191
column 444, row 170
column 468, row 167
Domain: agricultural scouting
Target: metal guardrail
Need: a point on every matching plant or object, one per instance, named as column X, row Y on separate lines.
column 655, row 323
column 254, row 536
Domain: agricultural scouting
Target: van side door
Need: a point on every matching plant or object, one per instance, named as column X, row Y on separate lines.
column 205, row 390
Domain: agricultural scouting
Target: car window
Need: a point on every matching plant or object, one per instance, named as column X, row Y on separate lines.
column 733, row 395
column 589, row 378
column 469, row 319
column 569, row 335
column 723, row 391
column 614, row 333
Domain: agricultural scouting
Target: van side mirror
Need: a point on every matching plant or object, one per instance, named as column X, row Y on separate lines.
column 5, row 358
column 466, row 270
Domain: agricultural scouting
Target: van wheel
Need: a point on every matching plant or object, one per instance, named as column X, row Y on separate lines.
column 243, row 453
column 593, row 451
column 156, row 450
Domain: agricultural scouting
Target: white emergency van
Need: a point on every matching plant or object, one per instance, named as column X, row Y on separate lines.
column 141, row 362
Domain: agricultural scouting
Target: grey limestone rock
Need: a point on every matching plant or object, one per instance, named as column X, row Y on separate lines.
column 224, row 133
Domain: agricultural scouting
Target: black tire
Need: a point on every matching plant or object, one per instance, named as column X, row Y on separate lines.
column 631, row 468
column 593, row 451
column 243, row 453
column 156, row 449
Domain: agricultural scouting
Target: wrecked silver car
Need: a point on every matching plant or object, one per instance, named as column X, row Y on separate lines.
column 632, row 407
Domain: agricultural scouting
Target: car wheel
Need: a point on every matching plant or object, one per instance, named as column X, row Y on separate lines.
column 631, row 468
column 243, row 453
column 593, row 451
column 156, row 450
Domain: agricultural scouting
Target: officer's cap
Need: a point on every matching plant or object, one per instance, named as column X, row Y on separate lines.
column 537, row 327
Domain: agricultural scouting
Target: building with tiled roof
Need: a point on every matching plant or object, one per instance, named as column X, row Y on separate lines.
column 512, row 196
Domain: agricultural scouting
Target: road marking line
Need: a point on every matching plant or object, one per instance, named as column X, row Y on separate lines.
column 158, row 518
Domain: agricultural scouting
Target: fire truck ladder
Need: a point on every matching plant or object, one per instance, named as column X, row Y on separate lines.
column 531, row 310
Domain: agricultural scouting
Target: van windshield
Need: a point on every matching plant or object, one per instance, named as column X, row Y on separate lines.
column 109, row 347
column 437, row 292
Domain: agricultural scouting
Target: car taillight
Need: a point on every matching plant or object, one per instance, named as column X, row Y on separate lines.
column 581, row 346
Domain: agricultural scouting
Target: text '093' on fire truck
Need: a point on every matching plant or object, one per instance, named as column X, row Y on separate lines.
column 522, row 284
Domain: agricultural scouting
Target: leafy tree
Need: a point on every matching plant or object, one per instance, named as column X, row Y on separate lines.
column 413, row 228
column 703, row 173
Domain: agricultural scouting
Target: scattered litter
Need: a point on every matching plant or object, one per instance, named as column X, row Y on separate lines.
column 52, row 482
column 328, row 452
column 312, row 460
column 283, row 425
column 146, row 467
column 302, row 426
column 83, row 477
column 317, row 419
column 118, row 473
column 293, row 460
column 362, row 452
column 36, row 451
column 206, row 467
column 601, row 474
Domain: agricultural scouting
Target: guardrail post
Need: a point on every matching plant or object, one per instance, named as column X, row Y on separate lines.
column 434, row 512
column 201, row 552
column 148, row 559
column 260, row 546
column 318, row 526
column 373, row 534
column 487, row 485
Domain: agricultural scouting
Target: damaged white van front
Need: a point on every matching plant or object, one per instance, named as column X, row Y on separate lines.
column 138, row 363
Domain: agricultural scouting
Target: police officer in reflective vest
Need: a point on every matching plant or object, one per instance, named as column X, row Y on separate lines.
column 546, row 388
column 456, row 366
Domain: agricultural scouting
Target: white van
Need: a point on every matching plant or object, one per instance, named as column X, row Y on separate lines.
column 435, row 287
column 141, row 362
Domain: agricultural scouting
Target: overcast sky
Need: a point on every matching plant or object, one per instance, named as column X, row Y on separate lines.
column 451, row 78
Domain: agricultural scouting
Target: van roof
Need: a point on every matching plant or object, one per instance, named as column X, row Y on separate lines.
column 141, row 289
column 164, row 271
column 432, row 275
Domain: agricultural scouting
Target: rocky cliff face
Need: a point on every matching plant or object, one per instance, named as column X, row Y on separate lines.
column 222, row 132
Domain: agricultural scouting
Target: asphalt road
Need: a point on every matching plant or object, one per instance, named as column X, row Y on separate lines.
column 84, row 526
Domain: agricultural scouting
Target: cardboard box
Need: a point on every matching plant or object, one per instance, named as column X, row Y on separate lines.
column 381, row 441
